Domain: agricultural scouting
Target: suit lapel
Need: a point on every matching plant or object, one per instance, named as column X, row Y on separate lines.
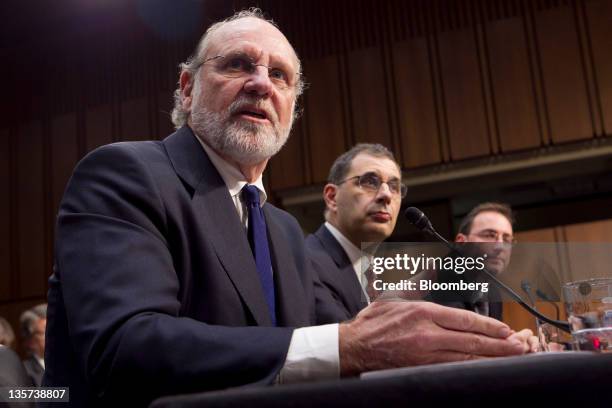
column 218, row 219
column 346, row 281
column 292, row 308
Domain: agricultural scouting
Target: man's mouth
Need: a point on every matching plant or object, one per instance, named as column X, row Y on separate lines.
column 251, row 113
column 381, row 216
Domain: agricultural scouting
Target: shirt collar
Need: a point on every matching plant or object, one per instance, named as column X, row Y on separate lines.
column 231, row 175
column 354, row 254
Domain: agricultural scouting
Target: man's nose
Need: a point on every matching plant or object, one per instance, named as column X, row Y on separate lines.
column 258, row 82
column 384, row 193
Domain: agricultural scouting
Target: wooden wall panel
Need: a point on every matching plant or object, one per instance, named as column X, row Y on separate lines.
column 6, row 269
column 564, row 78
column 324, row 115
column 135, row 123
column 162, row 114
column 463, row 95
column 368, row 98
column 64, row 155
column 589, row 249
column 541, row 265
column 599, row 17
column 98, row 126
column 413, row 82
column 30, row 227
column 512, row 84
column 286, row 169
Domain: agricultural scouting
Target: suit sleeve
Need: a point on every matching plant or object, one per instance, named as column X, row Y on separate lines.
column 120, row 292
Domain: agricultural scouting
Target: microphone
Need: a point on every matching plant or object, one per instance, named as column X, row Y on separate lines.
column 417, row 218
column 548, row 299
column 526, row 286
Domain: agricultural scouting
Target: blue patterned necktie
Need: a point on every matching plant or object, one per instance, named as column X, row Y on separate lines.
column 258, row 239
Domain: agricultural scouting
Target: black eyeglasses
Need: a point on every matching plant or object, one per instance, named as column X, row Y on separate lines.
column 371, row 182
column 494, row 236
column 239, row 65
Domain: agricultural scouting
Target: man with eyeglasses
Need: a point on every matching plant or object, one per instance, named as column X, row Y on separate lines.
column 362, row 197
column 32, row 323
column 485, row 230
column 173, row 275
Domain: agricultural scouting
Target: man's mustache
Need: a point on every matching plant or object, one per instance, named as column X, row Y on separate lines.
column 245, row 102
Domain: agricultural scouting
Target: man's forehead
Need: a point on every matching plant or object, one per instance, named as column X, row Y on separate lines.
column 251, row 31
column 365, row 162
column 491, row 220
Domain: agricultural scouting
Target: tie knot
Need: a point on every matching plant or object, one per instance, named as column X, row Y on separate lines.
column 250, row 195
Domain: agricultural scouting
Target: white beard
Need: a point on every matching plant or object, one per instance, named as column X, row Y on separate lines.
column 245, row 142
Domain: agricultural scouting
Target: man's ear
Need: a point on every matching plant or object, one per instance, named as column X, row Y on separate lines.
column 329, row 195
column 461, row 238
column 186, row 84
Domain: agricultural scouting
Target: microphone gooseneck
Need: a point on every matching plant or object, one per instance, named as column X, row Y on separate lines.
column 420, row 220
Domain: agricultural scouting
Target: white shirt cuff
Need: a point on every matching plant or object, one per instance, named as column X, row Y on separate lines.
column 313, row 355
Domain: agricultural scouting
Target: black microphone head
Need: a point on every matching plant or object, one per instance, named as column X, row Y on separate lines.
column 525, row 285
column 417, row 218
column 543, row 295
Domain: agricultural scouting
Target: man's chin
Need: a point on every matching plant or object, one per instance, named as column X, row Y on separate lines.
column 378, row 233
column 496, row 268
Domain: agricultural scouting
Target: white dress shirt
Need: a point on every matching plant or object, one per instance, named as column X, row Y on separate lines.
column 313, row 351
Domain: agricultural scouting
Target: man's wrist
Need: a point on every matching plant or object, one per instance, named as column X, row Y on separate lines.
column 351, row 357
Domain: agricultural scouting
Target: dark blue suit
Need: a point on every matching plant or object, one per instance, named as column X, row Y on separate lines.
column 155, row 289
column 336, row 274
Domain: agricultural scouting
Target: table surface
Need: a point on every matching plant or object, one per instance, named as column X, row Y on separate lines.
column 583, row 378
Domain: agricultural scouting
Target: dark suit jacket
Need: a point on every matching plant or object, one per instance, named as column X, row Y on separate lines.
column 459, row 300
column 155, row 290
column 34, row 369
column 336, row 274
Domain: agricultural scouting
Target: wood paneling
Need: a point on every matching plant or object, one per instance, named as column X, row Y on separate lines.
column 324, row 115
column 64, row 155
column 98, row 126
column 135, row 124
column 286, row 169
column 5, row 217
column 512, row 83
column 368, row 98
column 564, row 78
column 538, row 260
column 413, row 82
column 599, row 15
column 589, row 249
column 463, row 95
column 30, row 227
column 163, row 114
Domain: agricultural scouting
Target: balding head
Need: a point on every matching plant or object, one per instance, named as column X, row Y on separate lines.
column 217, row 35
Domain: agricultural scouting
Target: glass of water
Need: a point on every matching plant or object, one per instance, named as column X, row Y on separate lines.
column 589, row 309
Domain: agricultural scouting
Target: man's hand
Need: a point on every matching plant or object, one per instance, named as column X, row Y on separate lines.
column 398, row 334
column 531, row 344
